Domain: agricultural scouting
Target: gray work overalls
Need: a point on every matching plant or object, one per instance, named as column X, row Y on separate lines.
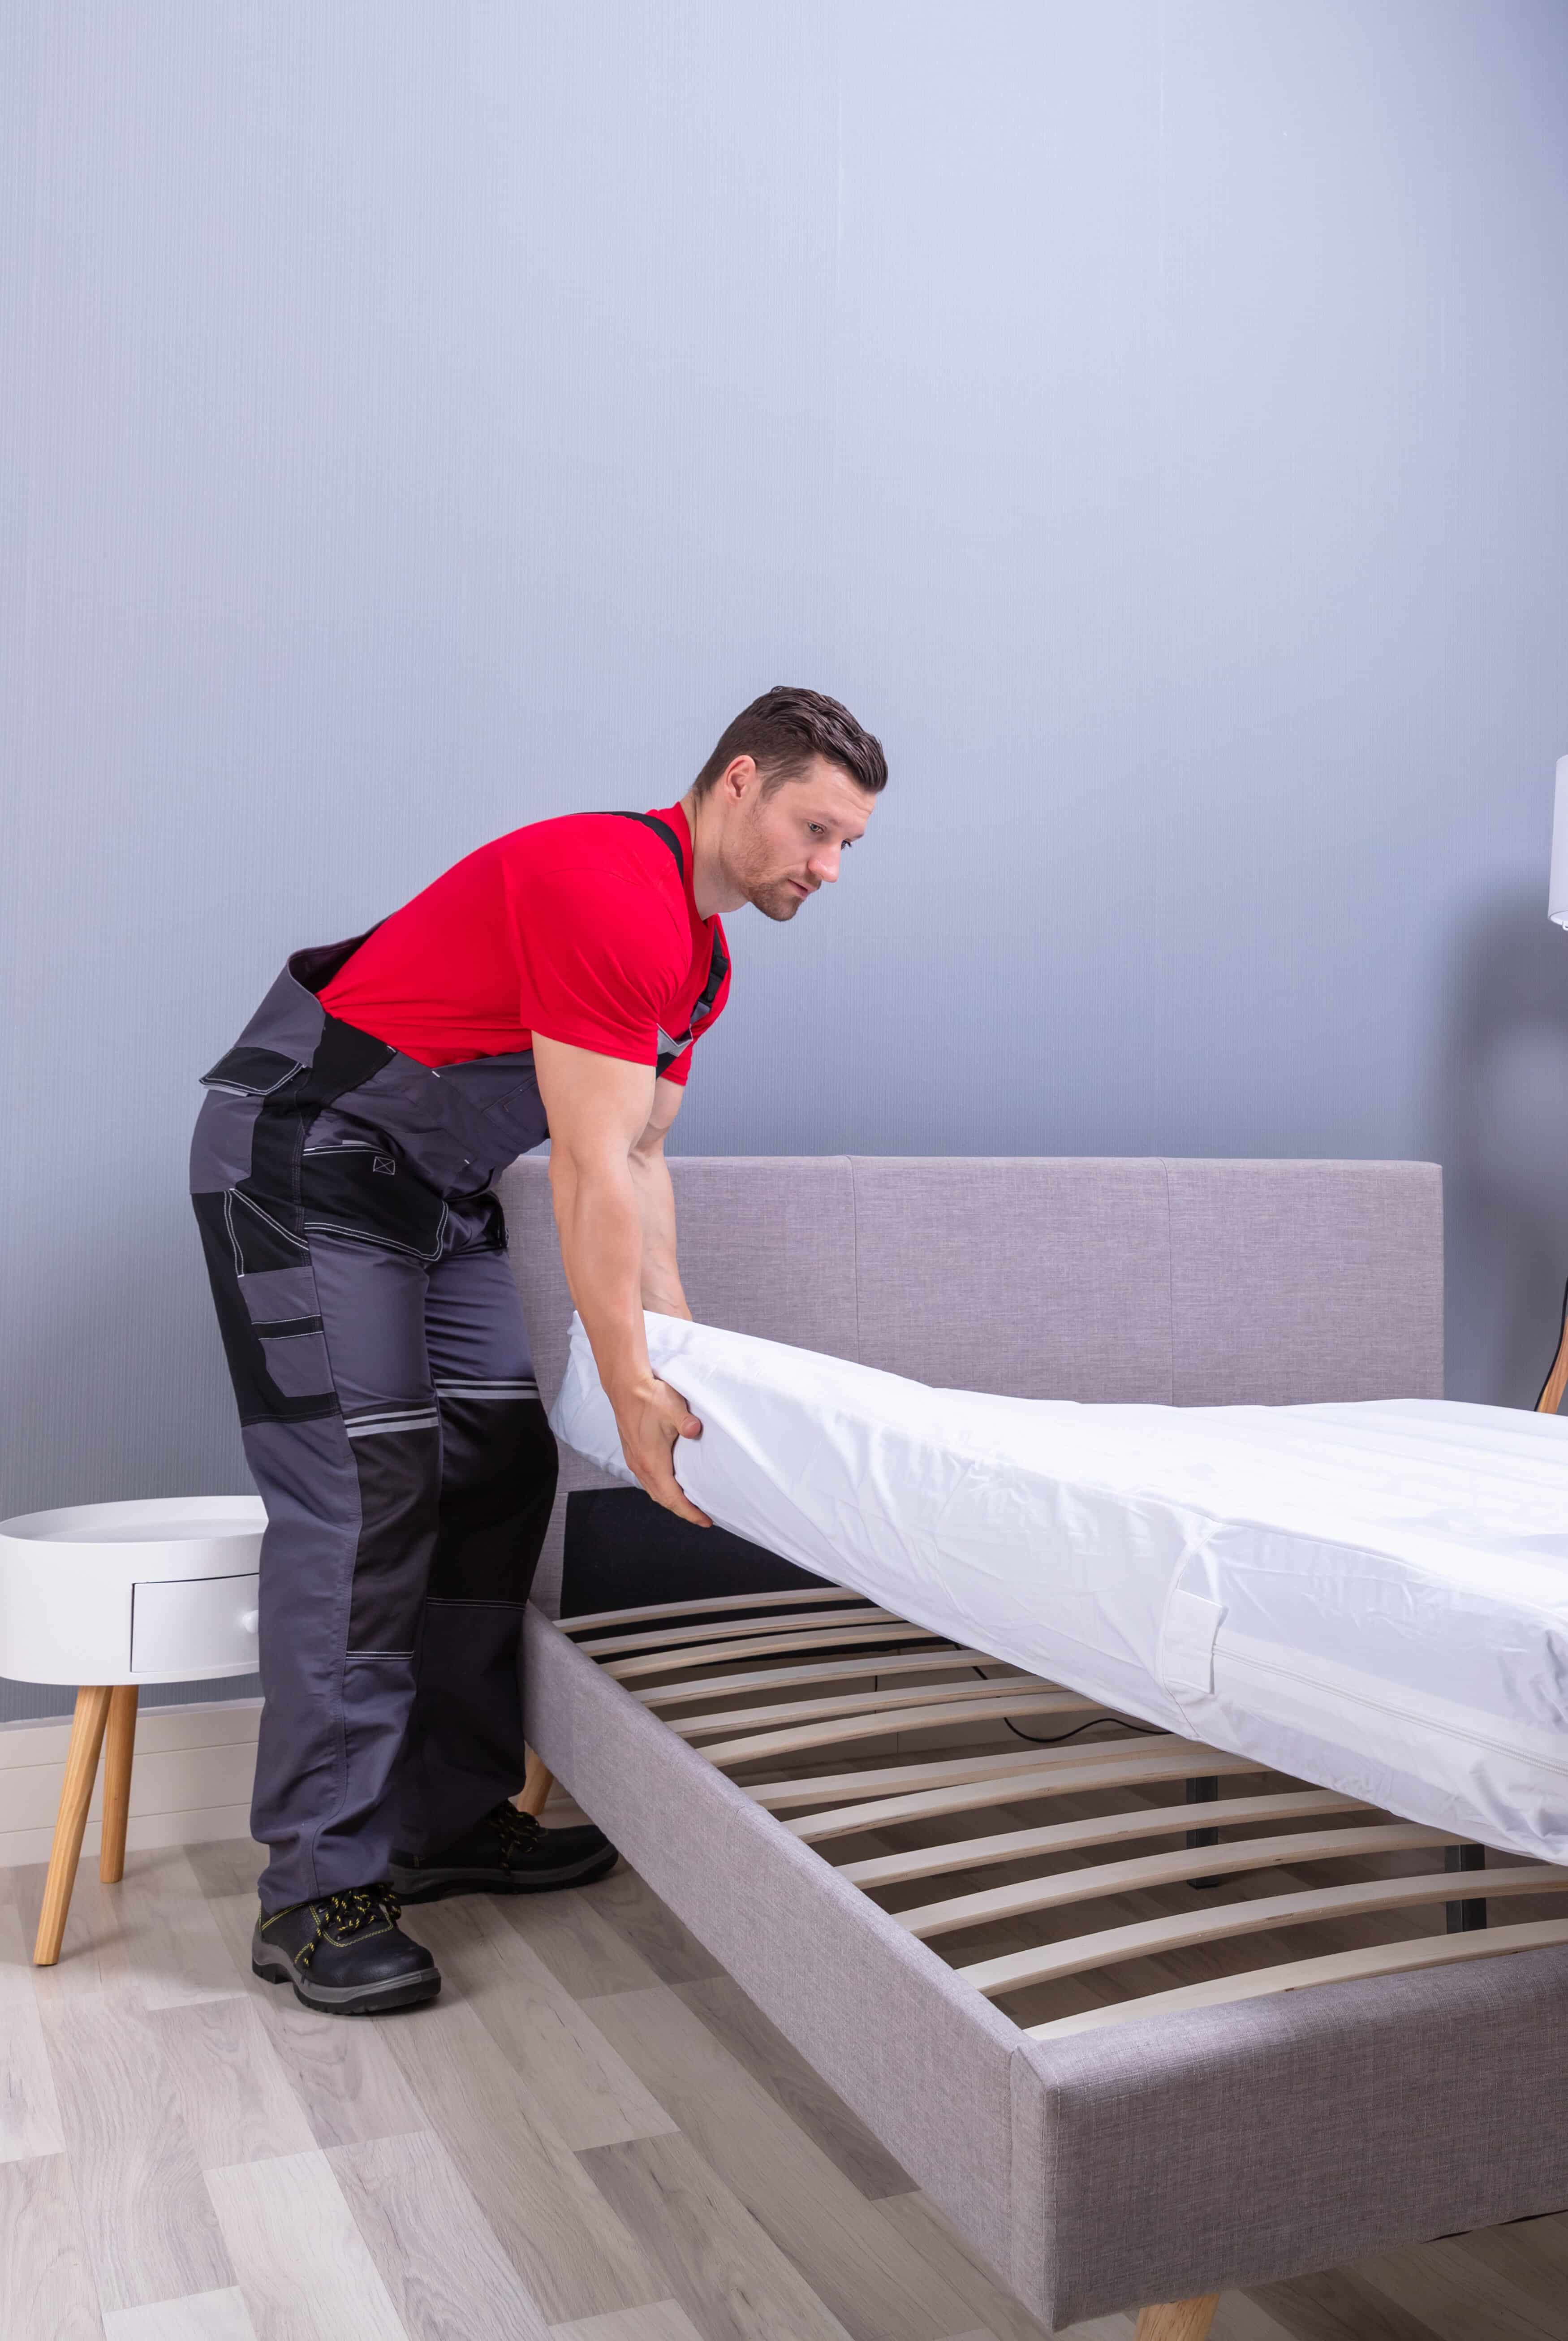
column 390, row 1419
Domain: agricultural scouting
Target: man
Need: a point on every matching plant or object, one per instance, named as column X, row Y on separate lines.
column 554, row 983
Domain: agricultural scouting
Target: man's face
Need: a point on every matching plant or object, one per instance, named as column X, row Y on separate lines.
column 781, row 847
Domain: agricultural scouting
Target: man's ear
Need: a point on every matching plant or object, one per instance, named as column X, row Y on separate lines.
column 737, row 777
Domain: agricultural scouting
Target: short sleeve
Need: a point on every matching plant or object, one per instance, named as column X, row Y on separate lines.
column 599, row 955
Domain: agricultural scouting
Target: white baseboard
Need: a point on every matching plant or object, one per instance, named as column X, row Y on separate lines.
column 191, row 1780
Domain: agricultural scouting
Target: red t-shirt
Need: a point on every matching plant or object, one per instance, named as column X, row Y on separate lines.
column 584, row 929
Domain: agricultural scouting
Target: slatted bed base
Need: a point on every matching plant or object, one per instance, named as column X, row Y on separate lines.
column 677, row 1658
column 921, row 1769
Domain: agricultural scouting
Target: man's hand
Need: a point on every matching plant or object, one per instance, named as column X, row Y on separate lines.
column 616, row 1217
column 650, row 1419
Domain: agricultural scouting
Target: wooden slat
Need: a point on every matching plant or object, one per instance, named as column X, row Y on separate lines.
column 1333, row 1967
column 906, row 1663
column 675, row 1637
column 1073, row 1769
column 847, row 1637
column 753, row 1746
column 1048, row 1961
column 1077, row 1836
column 872, row 1702
column 791, row 1596
column 956, row 1771
column 1136, row 1877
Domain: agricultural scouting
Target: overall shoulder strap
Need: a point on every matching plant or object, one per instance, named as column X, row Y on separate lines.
column 661, row 828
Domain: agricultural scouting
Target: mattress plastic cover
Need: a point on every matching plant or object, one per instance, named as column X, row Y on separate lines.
column 1373, row 1597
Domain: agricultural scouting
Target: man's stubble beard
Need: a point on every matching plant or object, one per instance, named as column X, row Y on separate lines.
column 774, row 897
column 775, row 900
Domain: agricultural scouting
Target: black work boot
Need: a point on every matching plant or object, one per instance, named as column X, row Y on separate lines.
column 345, row 1952
column 505, row 1852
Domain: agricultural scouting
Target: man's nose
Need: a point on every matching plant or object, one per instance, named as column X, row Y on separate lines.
column 823, row 864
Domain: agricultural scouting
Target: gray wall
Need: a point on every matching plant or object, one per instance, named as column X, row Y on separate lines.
column 1149, row 417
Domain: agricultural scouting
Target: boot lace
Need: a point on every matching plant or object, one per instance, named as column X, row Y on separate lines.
column 519, row 1832
column 351, row 1911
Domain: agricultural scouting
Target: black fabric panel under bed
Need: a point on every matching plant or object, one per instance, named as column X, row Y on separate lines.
column 624, row 1552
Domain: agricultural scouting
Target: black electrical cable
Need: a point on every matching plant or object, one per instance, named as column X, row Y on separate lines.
column 1054, row 1740
column 1038, row 1739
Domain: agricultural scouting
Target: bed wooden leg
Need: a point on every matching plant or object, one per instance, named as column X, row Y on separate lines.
column 1177, row 2320
column 537, row 1785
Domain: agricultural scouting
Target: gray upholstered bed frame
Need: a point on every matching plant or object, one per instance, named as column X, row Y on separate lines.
column 1156, row 2161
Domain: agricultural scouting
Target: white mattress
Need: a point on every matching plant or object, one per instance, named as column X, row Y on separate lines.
column 1373, row 1597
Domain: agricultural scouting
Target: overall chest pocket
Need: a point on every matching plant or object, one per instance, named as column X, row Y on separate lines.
column 365, row 1193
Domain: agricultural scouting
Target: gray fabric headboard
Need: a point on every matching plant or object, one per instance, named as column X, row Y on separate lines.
column 1190, row 1283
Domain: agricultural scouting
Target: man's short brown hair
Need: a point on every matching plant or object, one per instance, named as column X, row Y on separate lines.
column 782, row 731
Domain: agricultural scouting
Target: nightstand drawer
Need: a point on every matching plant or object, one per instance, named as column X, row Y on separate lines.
column 190, row 1624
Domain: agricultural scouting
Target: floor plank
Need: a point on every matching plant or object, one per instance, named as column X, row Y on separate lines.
column 351, row 2087
column 650, row 1927
column 175, row 1951
column 444, row 2271
column 151, row 2234
column 200, row 2316
column 95, row 1958
column 1240, row 2317
column 662, row 2320
column 863, row 2270
column 231, row 2090
column 713, row 2257
column 575, row 2256
column 1337, row 2307
column 304, row 2269
column 590, row 2093
column 761, row 2048
column 29, row 2110
column 47, row 2281
column 1531, row 2254
column 936, row 2243
column 1459, row 2296
column 580, row 1944
column 226, row 1875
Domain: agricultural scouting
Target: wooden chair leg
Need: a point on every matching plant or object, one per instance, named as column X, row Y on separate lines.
column 76, row 1796
column 119, row 1745
column 536, row 1784
column 1177, row 2320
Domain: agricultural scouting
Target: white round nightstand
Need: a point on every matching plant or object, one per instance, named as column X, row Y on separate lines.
column 109, row 1596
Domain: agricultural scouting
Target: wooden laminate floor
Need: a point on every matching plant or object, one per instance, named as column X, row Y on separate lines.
column 593, row 2135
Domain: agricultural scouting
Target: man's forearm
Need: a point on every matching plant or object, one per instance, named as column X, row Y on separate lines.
column 661, row 1288
column 599, row 1223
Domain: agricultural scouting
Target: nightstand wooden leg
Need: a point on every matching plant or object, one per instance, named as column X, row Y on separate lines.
column 119, row 1745
column 81, row 1771
column 536, row 1784
column 1177, row 2320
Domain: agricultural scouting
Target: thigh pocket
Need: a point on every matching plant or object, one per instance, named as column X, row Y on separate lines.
column 254, row 1349
column 296, row 1359
column 367, row 1194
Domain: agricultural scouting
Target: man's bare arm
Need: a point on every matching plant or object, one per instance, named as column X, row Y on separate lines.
column 661, row 1288
column 600, row 1111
